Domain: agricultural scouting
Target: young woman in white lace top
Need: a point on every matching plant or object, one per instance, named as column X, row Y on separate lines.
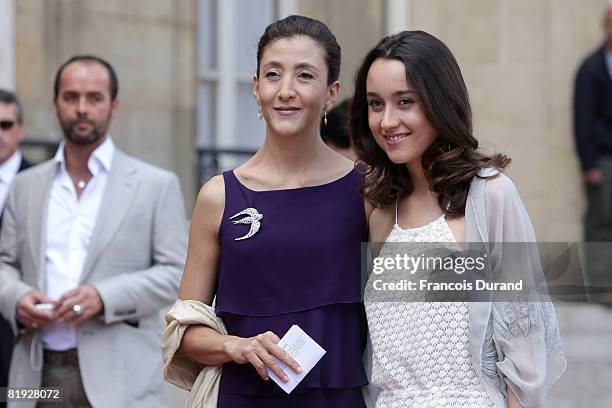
column 411, row 124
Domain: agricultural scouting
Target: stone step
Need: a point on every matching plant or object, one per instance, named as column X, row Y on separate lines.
column 587, row 335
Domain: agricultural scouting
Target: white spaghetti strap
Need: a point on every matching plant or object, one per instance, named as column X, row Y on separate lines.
column 396, row 204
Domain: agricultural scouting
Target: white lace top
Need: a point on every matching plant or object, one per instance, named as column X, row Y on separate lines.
column 421, row 354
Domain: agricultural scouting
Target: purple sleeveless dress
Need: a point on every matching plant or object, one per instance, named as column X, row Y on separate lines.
column 302, row 267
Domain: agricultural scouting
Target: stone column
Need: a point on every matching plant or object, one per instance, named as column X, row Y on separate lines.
column 7, row 44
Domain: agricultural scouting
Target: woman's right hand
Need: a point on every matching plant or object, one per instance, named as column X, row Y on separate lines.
column 260, row 351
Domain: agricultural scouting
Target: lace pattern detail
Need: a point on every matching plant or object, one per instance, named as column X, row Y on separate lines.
column 519, row 317
column 421, row 350
column 552, row 335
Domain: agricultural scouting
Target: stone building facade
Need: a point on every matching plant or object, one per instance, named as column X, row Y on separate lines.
column 173, row 58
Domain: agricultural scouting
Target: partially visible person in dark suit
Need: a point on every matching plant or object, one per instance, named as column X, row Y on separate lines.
column 334, row 129
column 593, row 133
column 11, row 162
column 11, row 133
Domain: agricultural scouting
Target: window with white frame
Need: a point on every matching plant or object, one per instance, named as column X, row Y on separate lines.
column 7, row 44
column 227, row 36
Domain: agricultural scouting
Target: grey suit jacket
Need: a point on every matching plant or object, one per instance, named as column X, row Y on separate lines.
column 135, row 261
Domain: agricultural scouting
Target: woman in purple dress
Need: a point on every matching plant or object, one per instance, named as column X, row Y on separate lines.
column 278, row 239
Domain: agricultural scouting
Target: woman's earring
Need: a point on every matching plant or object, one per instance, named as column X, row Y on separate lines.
column 325, row 118
column 259, row 114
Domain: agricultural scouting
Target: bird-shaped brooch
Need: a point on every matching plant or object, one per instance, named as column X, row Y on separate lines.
column 253, row 217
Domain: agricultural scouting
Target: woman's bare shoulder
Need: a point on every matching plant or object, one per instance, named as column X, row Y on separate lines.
column 382, row 221
column 212, row 193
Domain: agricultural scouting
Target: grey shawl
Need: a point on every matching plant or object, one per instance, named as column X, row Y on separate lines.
column 515, row 345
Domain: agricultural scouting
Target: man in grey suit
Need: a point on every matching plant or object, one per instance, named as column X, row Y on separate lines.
column 11, row 162
column 92, row 245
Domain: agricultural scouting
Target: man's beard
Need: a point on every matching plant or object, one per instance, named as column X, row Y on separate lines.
column 94, row 136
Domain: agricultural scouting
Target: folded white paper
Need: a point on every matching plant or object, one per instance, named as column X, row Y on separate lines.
column 304, row 350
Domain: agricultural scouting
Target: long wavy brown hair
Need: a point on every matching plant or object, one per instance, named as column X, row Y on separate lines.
column 452, row 161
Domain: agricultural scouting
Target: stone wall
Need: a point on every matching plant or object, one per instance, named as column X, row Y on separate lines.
column 152, row 46
column 519, row 58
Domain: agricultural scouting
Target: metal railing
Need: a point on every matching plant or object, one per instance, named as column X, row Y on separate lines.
column 38, row 150
column 209, row 161
column 210, row 158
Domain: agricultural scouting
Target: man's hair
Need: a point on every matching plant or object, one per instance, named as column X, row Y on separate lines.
column 10, row 98
column 112, row 76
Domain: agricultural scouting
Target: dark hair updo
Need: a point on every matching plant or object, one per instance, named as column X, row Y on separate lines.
column 293, row 26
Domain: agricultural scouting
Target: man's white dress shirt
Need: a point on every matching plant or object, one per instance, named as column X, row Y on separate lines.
column 8, row 170
column 70, row 224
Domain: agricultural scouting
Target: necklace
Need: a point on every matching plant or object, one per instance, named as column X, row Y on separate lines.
column 81, row 184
